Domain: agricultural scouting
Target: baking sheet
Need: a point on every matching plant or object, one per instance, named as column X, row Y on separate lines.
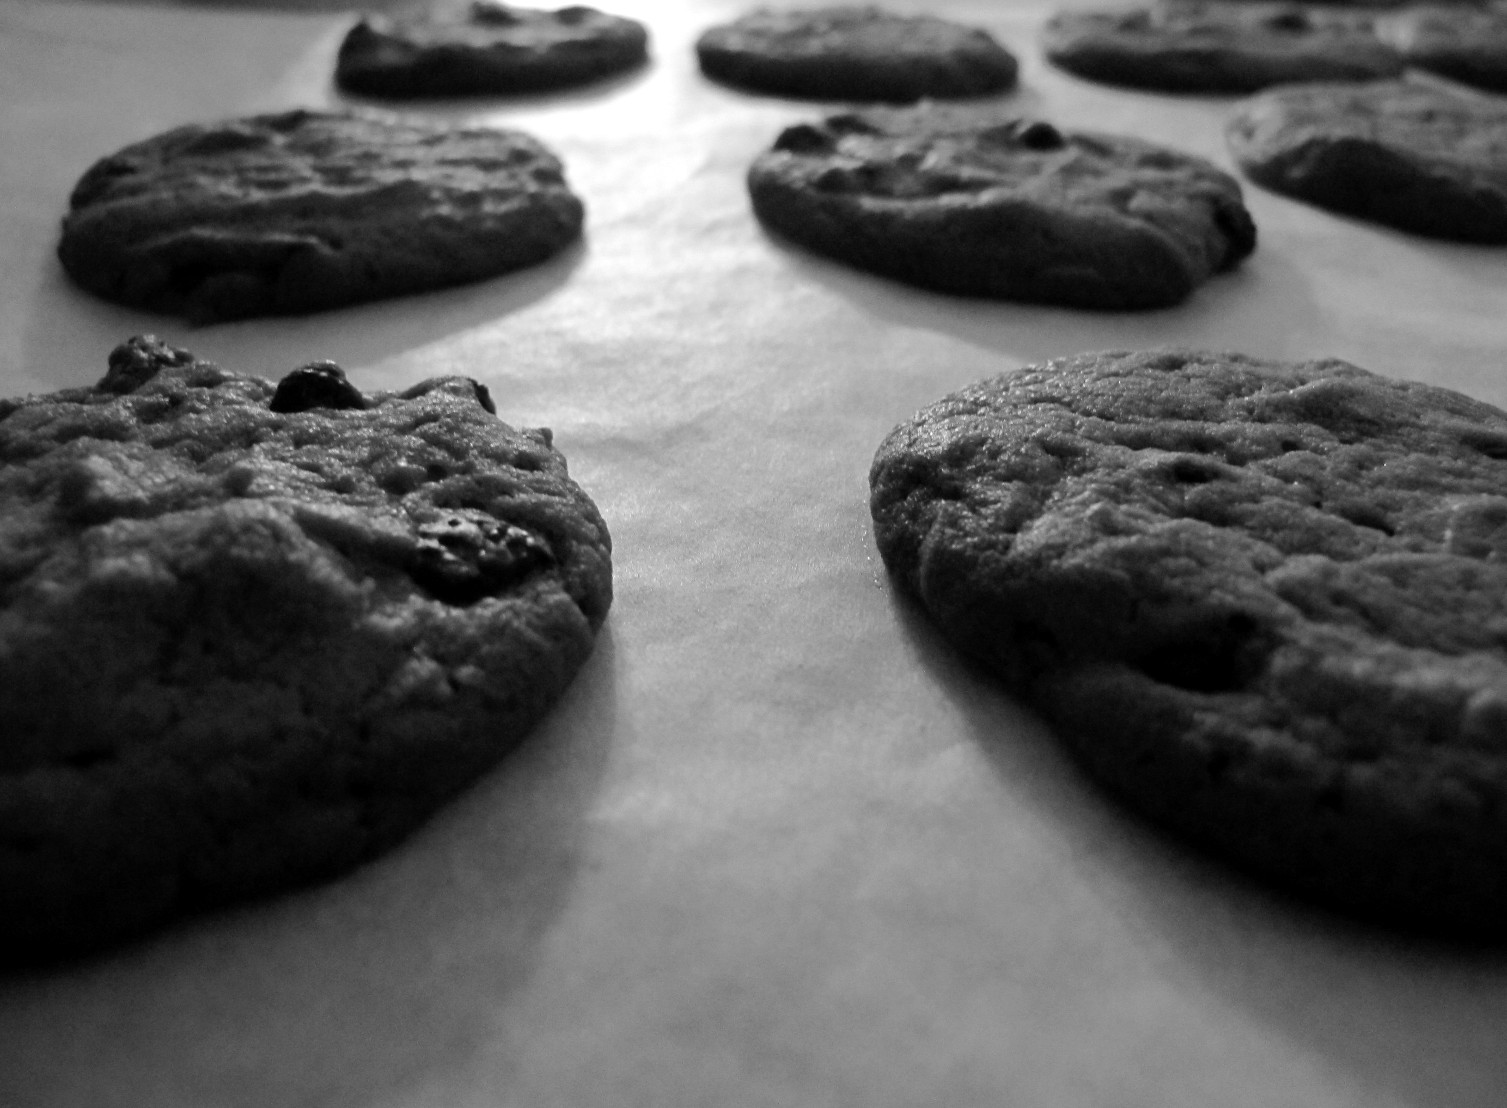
column 777, row 847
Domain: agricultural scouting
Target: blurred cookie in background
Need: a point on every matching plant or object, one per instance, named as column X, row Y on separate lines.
column 1465, row 44
column 855, row 53
column 486, row 48
column 1413, row 156
column 304, row 211
column 1194, row 46
column 979, row 203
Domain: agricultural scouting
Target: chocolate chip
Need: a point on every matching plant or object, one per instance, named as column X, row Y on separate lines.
column 803, row 138
column 1032, row 134
column 316, row 385
column 137, row 360
column 464, row 558
column 835, row 178
column 1289, row 21
column 1215, row 654
column 484, row 397
column 1193, row 470
column 1037, row 135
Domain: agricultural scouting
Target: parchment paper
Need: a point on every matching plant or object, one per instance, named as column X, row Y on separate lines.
column 777, row 847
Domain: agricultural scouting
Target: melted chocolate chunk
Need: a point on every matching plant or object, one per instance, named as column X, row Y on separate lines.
column 316, row 385
column 137, row 360
column 1037, row 135
column 803, row 138
column 467, row 557
column 484, row 397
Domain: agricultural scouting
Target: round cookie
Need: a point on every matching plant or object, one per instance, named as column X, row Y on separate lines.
column 855, row 53
column 1411, row 156
column 304, row 211
column 1264, row 603
column 486, row 48
column 981, row 205
column 1219, row 47
column 1466, row 44
column 251, row 635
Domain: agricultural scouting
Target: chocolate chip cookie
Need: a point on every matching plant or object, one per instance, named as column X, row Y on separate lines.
column 855, row 53
column 1264, row 603
column 1412, row 156
column 486, row 48
column 980, row 204
column 303, row 211
column 1465, row 44
column 253, row 634
column 1219, row 47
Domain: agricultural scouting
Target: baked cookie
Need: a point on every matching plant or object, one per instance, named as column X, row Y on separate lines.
column 486, row 48
column 304, row 211
column 1411, row 156
column 1264, row 603
column 1219, row 47
column 252, row 634
column 982, row 205
column 855, row 53
column 1465, row 44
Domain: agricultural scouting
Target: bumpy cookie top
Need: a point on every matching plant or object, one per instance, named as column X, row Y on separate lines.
column 855, row 29
column 507, row 27
column 936, row 155
column 303, row 210
column 1462, row 26
column 855, row 52
column 251, row 634
column 1270, row 488
column 1191, row 46
column 1449, row 133
column 1020, row 193
column 1417, row 157
column 1244, row 586
column 172, row 478
column 486, row 47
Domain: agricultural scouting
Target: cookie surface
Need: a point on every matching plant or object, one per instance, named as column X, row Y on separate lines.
column 1219, row 47
column 983, row 205
column 1264, row 603
column 486, row 48
column 1466, row 44
column 251, row 635
column 855, row 53
column 304, row 211
column 1407, row 155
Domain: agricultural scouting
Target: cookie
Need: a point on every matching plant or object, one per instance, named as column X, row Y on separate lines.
column 855, row 53
column 1264, row 603
column 486, row 48
column 980, row 205
column 303, row 211
column 253, row 634
column 1466, row 44
column 1411, row 156
column 1219, row 47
